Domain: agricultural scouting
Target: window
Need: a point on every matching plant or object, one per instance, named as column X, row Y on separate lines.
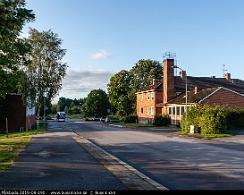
column 182, row 110
column 152, row 110
column 170, row 110
column 142, row 110
column 178, row 110
column 152, row 95
column 148, row 111
column 173, row 110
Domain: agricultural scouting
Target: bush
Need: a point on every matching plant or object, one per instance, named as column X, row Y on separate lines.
column 213, row 119
column 130, row 119
column 235, row 119
column 162, row 120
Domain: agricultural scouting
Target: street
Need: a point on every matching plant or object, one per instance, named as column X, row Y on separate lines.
column 55, row 160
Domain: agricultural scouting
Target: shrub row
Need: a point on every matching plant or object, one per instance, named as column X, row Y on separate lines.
column 213, row 119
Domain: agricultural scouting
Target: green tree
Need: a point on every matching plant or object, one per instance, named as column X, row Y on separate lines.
column 96, row 104
column 13, row 49
column 46, row 71
column 120, row 93
column 144, row 72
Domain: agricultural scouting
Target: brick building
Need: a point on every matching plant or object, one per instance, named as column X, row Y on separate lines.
column 20, row 115
column 168, row 96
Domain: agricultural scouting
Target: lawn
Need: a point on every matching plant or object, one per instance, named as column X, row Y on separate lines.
column 208, row 136
column 9, row 150
column 11, row 146
column 133, row 124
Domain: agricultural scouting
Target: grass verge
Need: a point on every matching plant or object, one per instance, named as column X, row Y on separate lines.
column 208, row 136
column 28, row 133
column 10, row 149
column 134, row 124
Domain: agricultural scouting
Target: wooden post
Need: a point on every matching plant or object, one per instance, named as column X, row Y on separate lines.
column 7, row 126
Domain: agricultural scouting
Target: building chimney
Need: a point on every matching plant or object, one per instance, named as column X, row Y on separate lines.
column 168, row 80
column 227, row 76
column 182, row 74
column 153, row 82
column 196, row 90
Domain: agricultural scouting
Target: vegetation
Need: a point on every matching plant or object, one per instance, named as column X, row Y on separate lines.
column 162, row 120
column 13, row 49
column 213, row 120
column 46, row 70
column 124, row 84
column 9, row 150
column 96, row 104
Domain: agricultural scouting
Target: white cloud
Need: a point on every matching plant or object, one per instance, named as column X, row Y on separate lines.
column 100, row 55
column 78, row 84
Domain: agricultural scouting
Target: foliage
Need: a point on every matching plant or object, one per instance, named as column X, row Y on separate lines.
column 144, row 72
column 13, row 49
column 162, row 120
column 96, row 104
column 235, row 119
column 124, row 84
column 119, row 90
column 130, row 119
column 208, row 119
column 46, row 71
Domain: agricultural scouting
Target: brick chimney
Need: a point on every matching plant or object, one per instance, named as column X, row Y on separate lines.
column 196, row 90
column 227, row 76
column 182, row 74
column 168, row 80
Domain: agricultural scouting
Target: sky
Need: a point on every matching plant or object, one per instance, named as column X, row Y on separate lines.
column 103, row 37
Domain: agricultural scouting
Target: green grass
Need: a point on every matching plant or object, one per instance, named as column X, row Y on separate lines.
column 28, row 133
column 9, row 150
column 133, row 124
column 208, row 136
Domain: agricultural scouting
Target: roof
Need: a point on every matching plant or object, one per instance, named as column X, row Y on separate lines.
column 202, row 83
column 192, row 97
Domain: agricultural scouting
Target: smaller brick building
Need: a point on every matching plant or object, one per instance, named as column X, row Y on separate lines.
column 20, row 115
column 169, row 95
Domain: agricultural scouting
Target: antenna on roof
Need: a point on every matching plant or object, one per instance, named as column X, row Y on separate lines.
column 169, row 55
column 224, row 69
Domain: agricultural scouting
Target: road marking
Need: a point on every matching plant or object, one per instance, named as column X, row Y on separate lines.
column 128, row 175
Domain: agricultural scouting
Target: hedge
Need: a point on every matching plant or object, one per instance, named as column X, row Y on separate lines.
column 213, row 119
column 162, row 120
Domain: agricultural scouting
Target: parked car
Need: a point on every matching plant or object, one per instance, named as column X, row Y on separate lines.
column 61, row 116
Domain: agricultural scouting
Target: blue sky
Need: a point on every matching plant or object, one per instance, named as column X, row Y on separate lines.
column 105, row 36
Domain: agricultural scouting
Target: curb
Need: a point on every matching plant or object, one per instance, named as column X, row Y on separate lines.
column 120, row 126
column 128, row 175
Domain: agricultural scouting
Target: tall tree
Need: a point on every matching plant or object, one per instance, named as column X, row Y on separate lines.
column 46, row 70
column 144, row 72
column 13, row 49
column 120, row 93
column 96, row 104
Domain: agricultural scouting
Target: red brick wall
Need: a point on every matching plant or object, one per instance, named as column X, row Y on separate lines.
column 147, row 102
column 225, row 98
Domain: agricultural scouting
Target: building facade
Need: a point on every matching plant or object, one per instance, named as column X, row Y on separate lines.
column 169, row 96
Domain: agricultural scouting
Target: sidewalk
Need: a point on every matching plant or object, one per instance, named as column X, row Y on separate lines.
column 55, row 161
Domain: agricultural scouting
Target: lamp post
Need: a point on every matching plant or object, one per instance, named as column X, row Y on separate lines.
column 186, row 95
column 44, row 109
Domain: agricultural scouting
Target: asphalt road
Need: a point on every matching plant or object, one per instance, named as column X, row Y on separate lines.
column 178, row 163
column 54, row 161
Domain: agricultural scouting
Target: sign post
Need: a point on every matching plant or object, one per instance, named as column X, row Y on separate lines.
column 7, row 126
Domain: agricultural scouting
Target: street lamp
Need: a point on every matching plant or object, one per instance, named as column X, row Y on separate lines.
column 186, row 94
